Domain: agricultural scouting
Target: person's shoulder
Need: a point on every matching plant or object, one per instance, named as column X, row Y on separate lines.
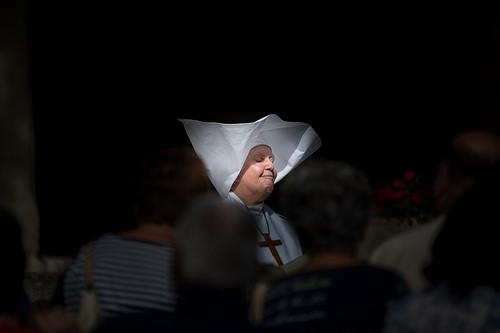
column 367, row 277
column 296, row 278
column 408, row 239
column 117, row 243
column 385, row 277
column 416, row 234
column 101, row 239
column 110, row 236
column 373, row 277
column 359, row 270
column 304, row 282
column 95, row 243
column 376, row 270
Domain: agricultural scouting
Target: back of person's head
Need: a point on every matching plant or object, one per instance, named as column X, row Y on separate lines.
column 13, row 262
column 465, row 251
column 470, row 153
column 329, row 204
column 166, row 181
column 216, row 243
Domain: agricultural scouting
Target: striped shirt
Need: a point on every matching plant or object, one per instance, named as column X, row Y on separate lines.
column 129, row 276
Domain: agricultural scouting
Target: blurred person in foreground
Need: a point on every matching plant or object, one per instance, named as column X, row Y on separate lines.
column 134, row 269
column 217, row 264
column 470, row 155
column 464, row 292
column 329, row 205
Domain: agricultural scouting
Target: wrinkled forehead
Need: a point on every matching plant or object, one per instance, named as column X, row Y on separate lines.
column 262, row 148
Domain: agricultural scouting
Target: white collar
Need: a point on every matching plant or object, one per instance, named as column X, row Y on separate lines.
column 255, row 209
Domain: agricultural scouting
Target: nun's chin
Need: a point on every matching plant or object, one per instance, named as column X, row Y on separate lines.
column 269, row 189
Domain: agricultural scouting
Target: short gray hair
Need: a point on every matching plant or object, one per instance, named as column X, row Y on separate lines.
column 216, row 242
column 329, row 204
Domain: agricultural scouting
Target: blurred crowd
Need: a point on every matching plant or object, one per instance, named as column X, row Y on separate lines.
column 191, row 263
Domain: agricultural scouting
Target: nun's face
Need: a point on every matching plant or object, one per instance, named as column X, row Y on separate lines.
column 256, row 179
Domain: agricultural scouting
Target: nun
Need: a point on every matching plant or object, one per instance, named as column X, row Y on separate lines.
column 244, row 161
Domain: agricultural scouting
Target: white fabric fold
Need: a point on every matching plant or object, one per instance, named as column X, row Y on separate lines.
column 224, row 147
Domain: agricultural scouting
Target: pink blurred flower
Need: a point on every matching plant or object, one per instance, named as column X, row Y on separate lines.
column 404, row 198
column 400, row 194
column 416, row 197
column 419, row 196
column 409, row 175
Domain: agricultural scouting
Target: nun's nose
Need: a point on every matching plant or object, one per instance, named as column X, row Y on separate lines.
column 269, row 165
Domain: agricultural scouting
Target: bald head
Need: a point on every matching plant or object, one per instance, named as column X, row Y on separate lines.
column 480, row 143
column 471, row 155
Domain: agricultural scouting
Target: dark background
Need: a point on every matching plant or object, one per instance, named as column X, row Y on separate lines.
column 385, row 88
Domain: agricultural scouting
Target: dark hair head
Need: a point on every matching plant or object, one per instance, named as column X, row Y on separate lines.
column 166, row 181
column 465, row 251
column 328, row 203
column 13, row 261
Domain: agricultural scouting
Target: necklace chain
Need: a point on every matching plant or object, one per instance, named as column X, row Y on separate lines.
column 267, row 223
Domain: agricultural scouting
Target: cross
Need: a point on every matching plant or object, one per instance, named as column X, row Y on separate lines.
column 271, row 243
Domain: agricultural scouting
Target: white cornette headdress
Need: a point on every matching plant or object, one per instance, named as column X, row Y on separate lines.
column 224, row 147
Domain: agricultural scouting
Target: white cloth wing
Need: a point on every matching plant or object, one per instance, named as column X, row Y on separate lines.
column 224, row 147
